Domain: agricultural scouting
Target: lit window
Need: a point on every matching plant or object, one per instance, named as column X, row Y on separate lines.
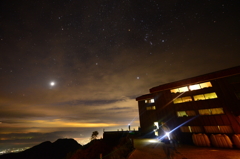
column 179, row 90
column 194, row 87
column 210, row 95
column 205, row 96
column 182, row 100
column 217, row 111
column 186, row 99
column 186, row 113
column 151, row 108
column 205, row 85
column 199, row 97
column 174, row 90
column 204, row 112
column 177, row 100
column 149, row 101
column 181, row 114
column 183, row 89
column 212, row 111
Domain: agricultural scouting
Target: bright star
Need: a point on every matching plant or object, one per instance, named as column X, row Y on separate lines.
column 52, row 83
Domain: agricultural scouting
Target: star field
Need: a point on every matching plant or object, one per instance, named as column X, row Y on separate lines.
column 102, row 55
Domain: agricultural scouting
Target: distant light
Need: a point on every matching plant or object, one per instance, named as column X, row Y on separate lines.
column 52, row 83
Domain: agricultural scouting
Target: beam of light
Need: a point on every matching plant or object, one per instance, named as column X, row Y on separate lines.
column 177, row 127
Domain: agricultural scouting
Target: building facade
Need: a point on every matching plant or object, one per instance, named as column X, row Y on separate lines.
column 208, row 104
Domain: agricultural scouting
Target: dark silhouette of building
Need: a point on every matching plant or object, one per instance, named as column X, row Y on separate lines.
column 208, row 103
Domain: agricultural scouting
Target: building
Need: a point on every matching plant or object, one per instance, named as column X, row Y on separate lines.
column 208, row 103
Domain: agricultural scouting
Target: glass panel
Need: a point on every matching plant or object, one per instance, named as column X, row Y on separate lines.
column 225, row 129
column 181, row 113
column 148, row 108
column 190, row 112
column 152, row 100
column 194, row 87
column 153, row 108
column 186, row 99
column 211, row 129
column 210, row 95
column 205, row 85
column 184, row 129
column 196, row 129
column 178, row 100
column 199, row 97
column 217, row 111
column 204, row 112
column 174, row 90
column 183, row 89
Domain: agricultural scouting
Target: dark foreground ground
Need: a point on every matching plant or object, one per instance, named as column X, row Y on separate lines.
column 152, row 149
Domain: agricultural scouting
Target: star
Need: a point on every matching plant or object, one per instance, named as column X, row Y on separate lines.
column 52, row 83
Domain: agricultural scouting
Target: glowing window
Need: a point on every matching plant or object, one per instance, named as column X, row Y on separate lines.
column 179, row 90
column 174, row 90
column 212, row 111
column 217, row 111
column 151, row 108
column 181, row 114
column 199, row 97
column 186, row 99
column 177, row 100
column 149, row 101
column 194, row 87
column 186, row 113
column 205, row 85
column 183, row 89
column 210, row 95
column 204, row 112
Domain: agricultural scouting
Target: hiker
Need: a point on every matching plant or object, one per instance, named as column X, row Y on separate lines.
column 168, row 146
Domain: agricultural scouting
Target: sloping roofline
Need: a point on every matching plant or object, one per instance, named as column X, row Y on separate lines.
column 201, row 78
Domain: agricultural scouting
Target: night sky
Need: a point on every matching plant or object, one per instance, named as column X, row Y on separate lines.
column 102, row 54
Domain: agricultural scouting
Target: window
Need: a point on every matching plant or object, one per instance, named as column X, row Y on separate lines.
column 186, row 113
column 199, row 97
column 182, row 99
column 179, row 90
column 225, row 129
column 149, row 101
column 217, row 111
column 151, row 108
column 194, row 87
column 218, row 129
column 212, row 111
column 177, row 100
column 191, row 129
column 210, row 95
column 186, row 99
column 200, row 86
column 205, row 96
column 205, row 85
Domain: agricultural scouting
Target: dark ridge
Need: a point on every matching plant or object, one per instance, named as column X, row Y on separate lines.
column 47, row 150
